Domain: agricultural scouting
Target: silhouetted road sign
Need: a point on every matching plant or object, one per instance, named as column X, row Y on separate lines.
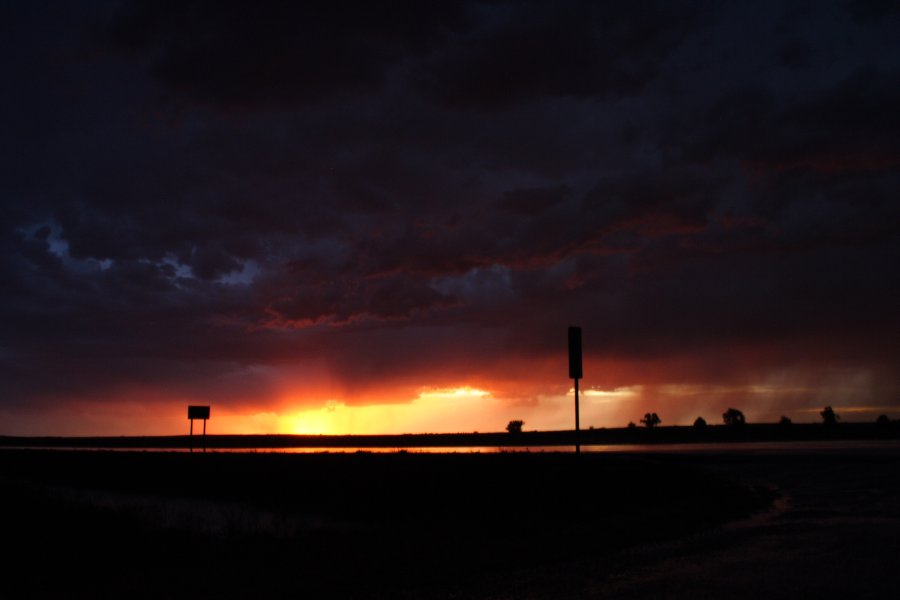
column 198, row 412
column 575, row 353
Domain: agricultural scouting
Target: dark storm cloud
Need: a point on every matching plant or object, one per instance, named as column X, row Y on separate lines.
column 849, row 127
column 279, row 53
column 471, row 54
column 198, row 192
column 530, row 51
column 869, row 10
column 533, row 201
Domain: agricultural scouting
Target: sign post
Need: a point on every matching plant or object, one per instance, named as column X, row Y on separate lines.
column 576, row 374
column 198, row 412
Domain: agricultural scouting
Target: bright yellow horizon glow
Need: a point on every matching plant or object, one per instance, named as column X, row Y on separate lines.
column 433, row 410
column 473, row 405
column 454, row 410
column 453, row 392
column 610, row 395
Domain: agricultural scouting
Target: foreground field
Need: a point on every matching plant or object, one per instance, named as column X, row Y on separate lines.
column 817, row 521
column 127, row 524
column 834, row 533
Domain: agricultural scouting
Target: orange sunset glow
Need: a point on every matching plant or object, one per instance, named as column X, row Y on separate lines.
column 459, row 409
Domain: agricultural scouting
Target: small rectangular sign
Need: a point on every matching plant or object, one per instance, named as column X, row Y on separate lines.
column 198, row 412
column 575, row 353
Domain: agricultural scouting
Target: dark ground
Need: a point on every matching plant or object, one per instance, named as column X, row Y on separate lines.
column 833, row 532
column 122, row 524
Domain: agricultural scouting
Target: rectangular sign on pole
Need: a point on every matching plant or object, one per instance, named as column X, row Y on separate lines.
column 575, row 353
column 198, row 412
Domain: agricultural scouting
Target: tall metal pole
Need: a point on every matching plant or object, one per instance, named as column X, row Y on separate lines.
column 577, row 424
column 575, row 373
column 191, row 443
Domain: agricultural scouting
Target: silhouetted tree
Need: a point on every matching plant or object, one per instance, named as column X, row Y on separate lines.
column 699, row 422
column 515, row 426
column 631, row 425
column 733, row 417
column 829, row 417
column 882, row 421
column 785, row 421
column 651, row 420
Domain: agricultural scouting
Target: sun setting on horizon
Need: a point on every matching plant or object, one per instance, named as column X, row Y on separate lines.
column 457, row 409
column 433, row 411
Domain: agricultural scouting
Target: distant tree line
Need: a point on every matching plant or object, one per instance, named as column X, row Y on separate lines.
column 732, row 417
column 735, row 417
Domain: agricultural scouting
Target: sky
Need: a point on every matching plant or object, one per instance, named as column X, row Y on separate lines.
column 362, row 217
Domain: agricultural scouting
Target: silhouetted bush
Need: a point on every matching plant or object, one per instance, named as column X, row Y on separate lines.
column 883, row 421
column 699, row 422
column 733, row 417
column 651, row 420
column 829, row 417
column 631, row 425
column 515, row 426
column 785, row 421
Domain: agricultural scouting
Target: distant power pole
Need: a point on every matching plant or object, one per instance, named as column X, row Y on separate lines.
column 575, row 373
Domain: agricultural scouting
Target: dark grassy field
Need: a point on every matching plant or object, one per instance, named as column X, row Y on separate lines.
column 150, row 525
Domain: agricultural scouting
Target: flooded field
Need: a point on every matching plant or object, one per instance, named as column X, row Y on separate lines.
column 789, row 447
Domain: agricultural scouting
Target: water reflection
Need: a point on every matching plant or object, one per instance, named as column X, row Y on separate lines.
column 695, row 448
